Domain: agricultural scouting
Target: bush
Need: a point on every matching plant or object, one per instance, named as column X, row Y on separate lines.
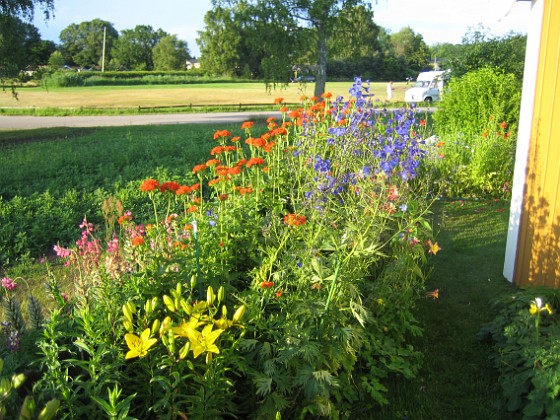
column 471, row 101
column 63, row 79
column 476, row 123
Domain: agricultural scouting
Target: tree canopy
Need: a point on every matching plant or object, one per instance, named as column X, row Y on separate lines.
column 170, row 53
column 82, row 44
column 14, row 16
column 133, row 48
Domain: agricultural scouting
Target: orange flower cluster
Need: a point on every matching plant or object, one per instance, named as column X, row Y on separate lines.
column 267, row 284
column 247, row 125
column 221, row 149
column 221, row 133
column 149, row 185
column 171, row 186
column 295, row 219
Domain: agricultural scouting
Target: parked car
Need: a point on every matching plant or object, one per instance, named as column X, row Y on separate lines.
column 303, row 79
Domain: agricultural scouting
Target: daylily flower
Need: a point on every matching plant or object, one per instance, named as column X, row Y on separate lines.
column 139, row 346
column 433, row 294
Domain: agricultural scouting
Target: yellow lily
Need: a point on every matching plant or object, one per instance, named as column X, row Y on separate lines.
column 139, row 346
column 204, row 341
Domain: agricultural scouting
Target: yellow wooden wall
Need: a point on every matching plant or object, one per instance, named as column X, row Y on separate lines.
column 538, row 249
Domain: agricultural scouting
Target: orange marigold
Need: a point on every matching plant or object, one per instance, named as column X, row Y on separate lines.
column 149, row 185
column 278, row 100
column 235, row 139
column 247, row 125
column 195, row 187
column 216, row 150
column 326, row 95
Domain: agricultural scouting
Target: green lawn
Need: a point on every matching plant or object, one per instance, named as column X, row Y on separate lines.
column 457, row 380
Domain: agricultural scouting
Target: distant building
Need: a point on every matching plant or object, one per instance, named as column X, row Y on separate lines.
column 192, row 63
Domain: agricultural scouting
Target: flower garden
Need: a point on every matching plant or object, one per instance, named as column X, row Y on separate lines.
column 278, row 279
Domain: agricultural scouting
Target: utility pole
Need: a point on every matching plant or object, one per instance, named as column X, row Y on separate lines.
column 103, row 54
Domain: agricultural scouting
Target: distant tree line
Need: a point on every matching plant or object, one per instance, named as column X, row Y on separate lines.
column 273, row 40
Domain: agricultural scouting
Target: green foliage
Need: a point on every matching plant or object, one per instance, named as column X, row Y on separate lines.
column 170, row 53
column 526, row 343
column 476, row 122
column 471, row 101
column 133, row 49
column 81, row 43
column 62, row 78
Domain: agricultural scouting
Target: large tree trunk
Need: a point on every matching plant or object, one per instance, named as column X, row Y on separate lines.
column 321, row 76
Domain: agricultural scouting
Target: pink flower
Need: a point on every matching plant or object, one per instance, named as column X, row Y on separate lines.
column 8, row 283
column 62, row 252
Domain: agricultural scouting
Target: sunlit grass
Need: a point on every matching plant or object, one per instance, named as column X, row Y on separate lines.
column 132, row 97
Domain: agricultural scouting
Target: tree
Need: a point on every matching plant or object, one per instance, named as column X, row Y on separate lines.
column 133, row 48
column 12, row 14
column 170, row 53
column 316, row 16
column 220, row 42
column 56, row 60
column 411, row 48
column 82, row 44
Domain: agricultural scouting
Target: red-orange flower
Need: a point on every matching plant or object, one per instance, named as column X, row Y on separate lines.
column 192, row 209
column 216, row 150
column 326, row 95
column 278, row 100
column 149, row 185
column 422, row 123
column 169, row 186
column 503, row 124
column 255, row 161
column 137, row 241
column 199, row 168
column 236, row 138
column 195, row 187
column 223, row 197
column 279, row 293
column 184, row 189
column 267, row 284
column 295, row 219
column 247, row 125
column 221, row 133
column 212, row 162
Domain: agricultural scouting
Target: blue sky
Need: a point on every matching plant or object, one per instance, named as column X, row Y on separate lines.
column 436, row 20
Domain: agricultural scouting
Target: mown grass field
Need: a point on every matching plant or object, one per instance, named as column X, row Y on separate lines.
column 173, row 95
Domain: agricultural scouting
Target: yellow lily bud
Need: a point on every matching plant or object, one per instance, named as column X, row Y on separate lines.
column 148, row 307
column 239, row 313
column 17, row 380
column 127, row 313
column 171, row 340
column 5, row 387
column 186, row 307
column 165, row 326
column 155, row 302
column 221, row 293
column 193, row 281
column 50, row 410
column 184, row 350
column 169, row 303
column 210, row 297
column 224, row 311
column 156, row 324
column 128, row 325
column 131, row 306
column 179, row 289
column 27, row 408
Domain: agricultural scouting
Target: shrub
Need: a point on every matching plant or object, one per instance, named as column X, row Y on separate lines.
column 474, row 99
column 473, row 153
column 63, row 79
